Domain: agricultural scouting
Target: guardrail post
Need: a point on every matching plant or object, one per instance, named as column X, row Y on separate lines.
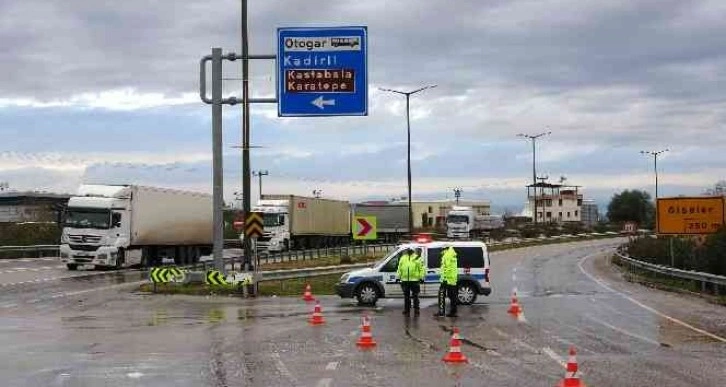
column 703, row 286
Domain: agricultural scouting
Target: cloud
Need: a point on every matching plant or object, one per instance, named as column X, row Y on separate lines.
column 107, row 89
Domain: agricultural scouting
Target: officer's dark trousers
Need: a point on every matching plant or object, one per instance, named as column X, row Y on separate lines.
column 449, row 291
column 410, row 288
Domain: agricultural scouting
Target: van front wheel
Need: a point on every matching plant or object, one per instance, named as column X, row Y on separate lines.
column 367, row 294
column 467, row 293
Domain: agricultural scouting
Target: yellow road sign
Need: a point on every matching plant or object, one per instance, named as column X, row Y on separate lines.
column 364, row 228
column 253, row 225
column 691, row 216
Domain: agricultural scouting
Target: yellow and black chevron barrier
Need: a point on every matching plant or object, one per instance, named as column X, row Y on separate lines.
column 164, row 275
column 215, row 277
column 159, row 275
column 176, row 274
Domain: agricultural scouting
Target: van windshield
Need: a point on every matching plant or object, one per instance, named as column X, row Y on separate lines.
column 385, row 258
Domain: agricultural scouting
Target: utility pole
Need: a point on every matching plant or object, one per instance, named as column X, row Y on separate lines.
column 408, row 95
column 246, row 205
column 655, row 155
column 259, row 175
column 534, row 167
column 457, row 194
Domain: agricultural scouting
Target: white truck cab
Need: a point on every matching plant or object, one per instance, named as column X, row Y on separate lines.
column 381, row 280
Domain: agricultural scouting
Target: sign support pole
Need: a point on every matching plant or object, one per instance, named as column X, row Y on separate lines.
column 217, row 188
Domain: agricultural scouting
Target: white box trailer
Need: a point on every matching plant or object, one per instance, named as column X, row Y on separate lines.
column 124, row 225
column 293, row 222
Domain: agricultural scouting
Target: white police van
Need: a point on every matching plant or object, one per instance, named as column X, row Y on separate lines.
column 381, row 280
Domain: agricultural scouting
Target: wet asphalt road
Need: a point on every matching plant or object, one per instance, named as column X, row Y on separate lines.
column 91, row 330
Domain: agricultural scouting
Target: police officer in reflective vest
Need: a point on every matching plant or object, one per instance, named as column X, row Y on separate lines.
column 411, row 273
column 449, row 278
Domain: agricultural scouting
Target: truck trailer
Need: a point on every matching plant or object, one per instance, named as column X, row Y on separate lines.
column 298, row 222
column 464, row 222
column 391, row 219
column 115, row 226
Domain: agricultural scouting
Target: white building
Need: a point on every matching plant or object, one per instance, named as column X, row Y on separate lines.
column 432, row 213
column 590, row 213
column 555, row 203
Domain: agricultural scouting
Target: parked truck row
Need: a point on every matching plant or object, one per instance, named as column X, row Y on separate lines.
column 298, row 222
column 115, row 226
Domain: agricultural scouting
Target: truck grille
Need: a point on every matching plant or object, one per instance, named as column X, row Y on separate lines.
column 84, row 238
column 83, row 247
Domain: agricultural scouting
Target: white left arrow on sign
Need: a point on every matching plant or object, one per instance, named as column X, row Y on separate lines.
column 322, row 102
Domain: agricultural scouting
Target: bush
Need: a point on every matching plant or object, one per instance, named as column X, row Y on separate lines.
column 687, row 254
column 26, row 234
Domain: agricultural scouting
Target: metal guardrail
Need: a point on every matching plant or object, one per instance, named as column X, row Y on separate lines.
column 704, row 278
column 340, row 251
column 277, row 275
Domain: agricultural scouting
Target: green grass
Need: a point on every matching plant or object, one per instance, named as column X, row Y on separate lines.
column 662, row 282
column 294, row 287
column 291, row 287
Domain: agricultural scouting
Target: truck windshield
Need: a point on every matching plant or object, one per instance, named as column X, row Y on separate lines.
column 457, row 219
column 87, row 218
column 271, row 220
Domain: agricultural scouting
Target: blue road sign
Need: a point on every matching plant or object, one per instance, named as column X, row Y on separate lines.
column 322, row 71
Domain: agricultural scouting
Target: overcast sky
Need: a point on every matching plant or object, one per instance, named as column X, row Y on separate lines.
column 106, row 91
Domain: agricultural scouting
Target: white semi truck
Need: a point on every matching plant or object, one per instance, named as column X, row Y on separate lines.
column 297, row 222
column 114, row 226
column 464, row 222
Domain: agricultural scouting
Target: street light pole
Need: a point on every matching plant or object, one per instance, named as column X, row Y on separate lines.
column 534, row 168
column 408, row 95
column 259, row 175
column 655, row 155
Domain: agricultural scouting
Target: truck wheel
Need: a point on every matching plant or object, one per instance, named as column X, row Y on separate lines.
column 466, row 293
column 72, row 266
column 367, row 294
column 120, row 259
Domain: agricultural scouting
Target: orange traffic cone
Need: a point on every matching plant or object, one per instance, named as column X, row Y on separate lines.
column 366, row 338
column 317, row 317
column 454, row 355
column 514, row 307
column 308, row 295
column 571, row 379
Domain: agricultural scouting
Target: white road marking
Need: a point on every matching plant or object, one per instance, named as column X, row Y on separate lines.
column 135, row 375
column 515, row 341
column 325, row 382
column 549, row 352
column 332, row 366
column 80, row 275
column 79, row 292
column 623, row 331
column 566, row 342
column 646, row 307
column 281, row 368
